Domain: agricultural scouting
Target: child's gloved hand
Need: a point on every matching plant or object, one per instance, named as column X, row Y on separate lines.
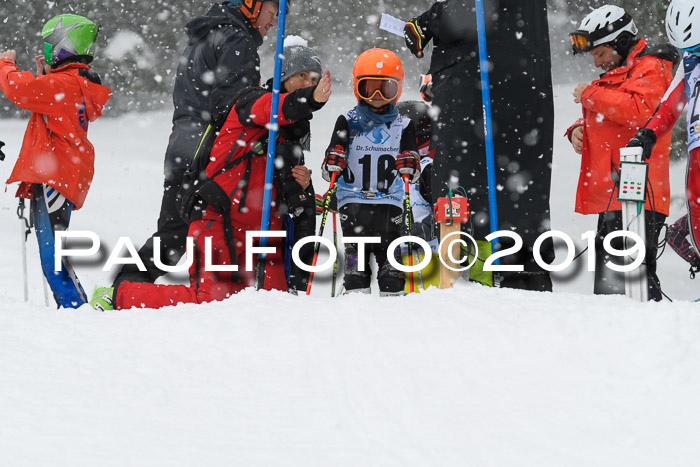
column 334, row 161
column 321, row 201
column 9, row 54
column 408, row 163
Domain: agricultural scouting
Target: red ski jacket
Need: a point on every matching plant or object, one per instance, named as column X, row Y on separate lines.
column 237, row 158
column 614, row 108
column 55, row 150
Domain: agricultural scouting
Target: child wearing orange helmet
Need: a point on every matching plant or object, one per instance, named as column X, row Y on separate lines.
column 372, row 147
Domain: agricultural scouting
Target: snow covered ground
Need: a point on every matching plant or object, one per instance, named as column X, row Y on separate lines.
column 469, row 376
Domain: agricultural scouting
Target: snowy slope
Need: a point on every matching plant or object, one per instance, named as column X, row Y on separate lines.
column 269, row 379
column 470, row 376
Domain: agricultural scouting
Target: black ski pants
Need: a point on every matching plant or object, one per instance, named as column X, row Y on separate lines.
column 372, row 220
column 172, row 231
column 609, row 282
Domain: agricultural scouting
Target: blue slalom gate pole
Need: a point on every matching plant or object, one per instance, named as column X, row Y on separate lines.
column 271, row 143
column 488, row 133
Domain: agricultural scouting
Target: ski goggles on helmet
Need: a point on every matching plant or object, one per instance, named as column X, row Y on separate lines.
column 581, row 42
column 369, row 87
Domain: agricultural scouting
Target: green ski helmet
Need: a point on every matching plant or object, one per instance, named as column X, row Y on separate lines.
column 69, row 36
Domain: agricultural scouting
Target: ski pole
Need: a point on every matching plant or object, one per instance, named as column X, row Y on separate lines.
column 271, row 144
column 416, row 258
column 317, row 246
column 408, row 214
column 488, row 132
column 24, row 232
column 335, row 264
column 46, row 291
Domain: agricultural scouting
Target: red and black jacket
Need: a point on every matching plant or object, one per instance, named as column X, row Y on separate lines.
column 227, row 183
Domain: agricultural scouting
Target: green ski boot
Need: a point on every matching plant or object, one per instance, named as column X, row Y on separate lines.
column 103, row 299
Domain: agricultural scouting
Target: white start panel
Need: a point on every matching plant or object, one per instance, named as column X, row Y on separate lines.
column 633, row 179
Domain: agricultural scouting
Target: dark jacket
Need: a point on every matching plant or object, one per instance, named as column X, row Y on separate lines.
column 220, row 60
column 451, row 25
column 237, row 158
column 523, row 133
column 237, row 164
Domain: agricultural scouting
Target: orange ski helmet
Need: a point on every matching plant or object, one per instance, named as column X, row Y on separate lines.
column 378, row 71
column 251, row 8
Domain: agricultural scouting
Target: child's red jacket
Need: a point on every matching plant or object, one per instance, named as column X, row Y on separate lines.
column 55, row 150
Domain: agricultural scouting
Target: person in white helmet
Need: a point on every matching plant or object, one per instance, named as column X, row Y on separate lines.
column 683, row 30
column 636, row 76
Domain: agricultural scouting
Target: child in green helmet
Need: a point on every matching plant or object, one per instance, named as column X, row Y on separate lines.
column 56, row 162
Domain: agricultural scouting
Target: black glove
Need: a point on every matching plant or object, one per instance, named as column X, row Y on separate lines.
column 2, row 155
column 645, row 139
column 416, row 37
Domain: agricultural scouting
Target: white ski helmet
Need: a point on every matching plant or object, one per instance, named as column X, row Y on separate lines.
column 683, row 24
column 607, row 24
